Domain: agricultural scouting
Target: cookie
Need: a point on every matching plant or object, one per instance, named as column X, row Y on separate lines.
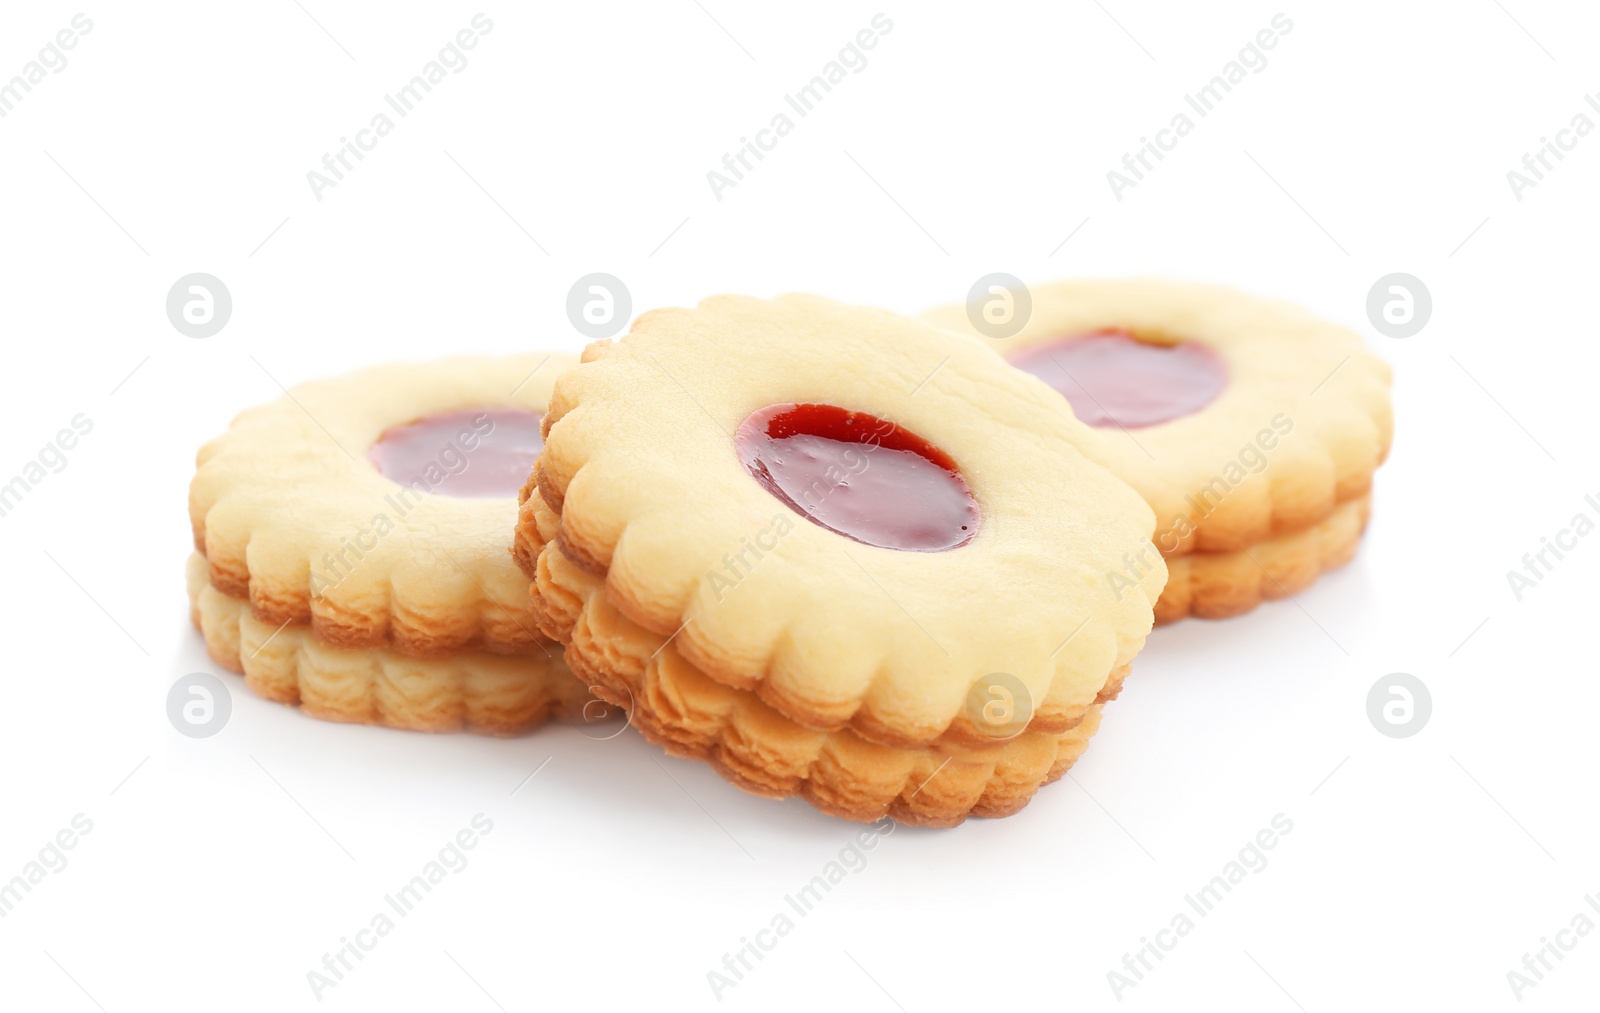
column 1242, row 421
column 836, row 553
column 293, row 514
column 472, row 690
column 353, row 547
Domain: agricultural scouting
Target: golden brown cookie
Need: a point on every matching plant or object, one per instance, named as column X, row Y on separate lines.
column 354, row 548
column 836, row 553
column 1242, row 421
column 1297, row 425
column 292, row 513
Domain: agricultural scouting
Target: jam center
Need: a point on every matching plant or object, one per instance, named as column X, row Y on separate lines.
column 859, row 476
column 472, row 453
column 1114, row 379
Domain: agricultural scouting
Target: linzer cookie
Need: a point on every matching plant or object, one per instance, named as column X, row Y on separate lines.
column 835, row 553
column 353, row 548
column 1251, row 427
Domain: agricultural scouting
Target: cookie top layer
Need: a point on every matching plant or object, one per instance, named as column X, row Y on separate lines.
column 642, row 466
column 1297, row 426
column 292, row 512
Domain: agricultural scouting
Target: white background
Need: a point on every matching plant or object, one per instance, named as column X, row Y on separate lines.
column 219, row 871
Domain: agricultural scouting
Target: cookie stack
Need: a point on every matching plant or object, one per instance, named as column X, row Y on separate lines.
column 1251, row 428
column 351, row 548
column 831, row 551
column 835, row 553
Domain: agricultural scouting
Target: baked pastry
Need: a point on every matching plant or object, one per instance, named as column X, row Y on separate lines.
column 353, row 547
column 1251, row 427
column 836, row 553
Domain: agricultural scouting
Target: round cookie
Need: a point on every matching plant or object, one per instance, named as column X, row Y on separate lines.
column 353, row 547
column 825, row 549
column 1242, row 421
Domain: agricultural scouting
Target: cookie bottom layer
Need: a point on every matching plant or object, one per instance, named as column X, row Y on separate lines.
column 490, row 694
column 677, row 706
column 1215, row 585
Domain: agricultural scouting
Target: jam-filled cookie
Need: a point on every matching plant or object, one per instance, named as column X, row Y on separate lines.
column 1251, row 427
column 836, row 553
column 353, row 547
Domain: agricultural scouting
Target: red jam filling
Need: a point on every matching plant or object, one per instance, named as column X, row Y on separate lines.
column 471, row 453
column 1114, row 379
column 859, row 476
